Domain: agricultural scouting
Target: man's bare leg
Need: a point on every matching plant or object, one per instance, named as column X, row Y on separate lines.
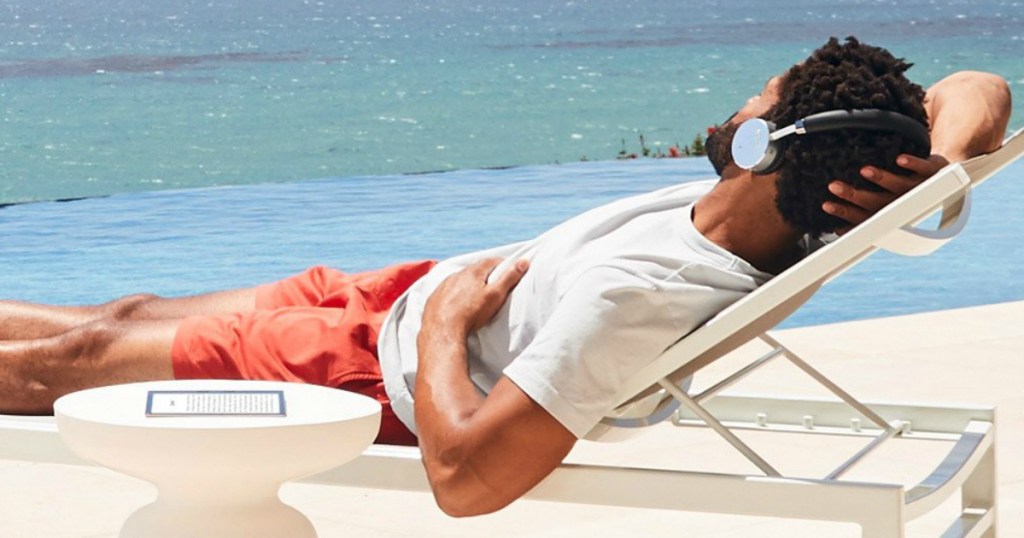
column 34, row 373
column 207, row 304
column 27, row 321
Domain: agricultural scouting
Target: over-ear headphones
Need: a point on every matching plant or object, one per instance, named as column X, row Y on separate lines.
column 756, row 145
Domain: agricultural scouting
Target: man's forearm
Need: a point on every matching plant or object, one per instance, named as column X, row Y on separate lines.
column 480, row 453
column 443, row 382
column 445, row 399
column 969, row 112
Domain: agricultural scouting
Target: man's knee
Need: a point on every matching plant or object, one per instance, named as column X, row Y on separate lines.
column 61, row 365
column 130, row 306
column 88, row 343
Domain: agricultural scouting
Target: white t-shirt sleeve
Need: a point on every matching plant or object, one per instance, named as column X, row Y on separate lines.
column 608, row 325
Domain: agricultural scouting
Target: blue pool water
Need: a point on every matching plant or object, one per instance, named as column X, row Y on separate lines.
column 197, row 240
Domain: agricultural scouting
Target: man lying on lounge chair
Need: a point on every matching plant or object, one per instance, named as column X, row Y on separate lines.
column 509, row 372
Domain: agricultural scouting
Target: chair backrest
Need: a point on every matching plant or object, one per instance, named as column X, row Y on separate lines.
column 640, row 400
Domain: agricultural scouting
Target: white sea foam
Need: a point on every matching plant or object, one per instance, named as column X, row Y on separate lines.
column 393, row 119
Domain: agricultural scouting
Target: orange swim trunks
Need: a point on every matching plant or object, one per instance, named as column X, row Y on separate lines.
column 318, row 327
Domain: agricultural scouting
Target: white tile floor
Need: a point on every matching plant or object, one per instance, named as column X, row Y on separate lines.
column 969, row 356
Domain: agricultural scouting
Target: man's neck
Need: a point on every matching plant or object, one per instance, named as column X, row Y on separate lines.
column 739, row 215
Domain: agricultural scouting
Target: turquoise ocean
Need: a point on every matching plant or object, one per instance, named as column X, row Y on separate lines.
column 225, row 143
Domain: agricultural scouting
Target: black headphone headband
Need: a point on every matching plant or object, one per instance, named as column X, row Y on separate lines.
column 868, row 119
column 756, row 146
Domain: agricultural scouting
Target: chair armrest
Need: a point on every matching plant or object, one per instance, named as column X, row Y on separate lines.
column 912, row 240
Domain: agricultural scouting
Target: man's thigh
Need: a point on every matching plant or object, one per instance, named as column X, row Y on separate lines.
column 311, row 287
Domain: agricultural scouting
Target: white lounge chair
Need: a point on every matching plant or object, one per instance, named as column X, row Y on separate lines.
column 654, row 395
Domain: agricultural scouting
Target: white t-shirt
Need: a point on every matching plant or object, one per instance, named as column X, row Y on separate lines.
column 607, row 292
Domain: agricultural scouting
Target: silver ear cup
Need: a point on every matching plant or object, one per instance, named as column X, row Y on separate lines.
column 752, row 147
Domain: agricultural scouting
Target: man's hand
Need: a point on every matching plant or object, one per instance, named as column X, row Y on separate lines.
column 465, row 301
column 858, row 205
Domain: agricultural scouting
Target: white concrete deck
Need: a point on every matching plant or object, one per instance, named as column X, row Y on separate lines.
column 966, row 356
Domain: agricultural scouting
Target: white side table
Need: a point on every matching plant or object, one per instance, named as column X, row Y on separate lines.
column 217, row 475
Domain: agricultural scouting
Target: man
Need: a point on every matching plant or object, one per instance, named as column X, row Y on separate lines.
column 509, row 369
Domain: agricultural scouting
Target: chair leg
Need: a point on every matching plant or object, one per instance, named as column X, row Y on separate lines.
column 882, row 529
column 979, row 490
column 882, row 520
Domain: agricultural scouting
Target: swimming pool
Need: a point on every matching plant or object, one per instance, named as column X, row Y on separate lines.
column 191, row 241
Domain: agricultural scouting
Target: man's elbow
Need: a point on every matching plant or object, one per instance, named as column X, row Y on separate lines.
column 1001, row 91
column 1000, row 103
column 995, row 86
column 974, row 84
column 992, row 93
column 461, row 491
column 462, row 507
column 460, row 496
column 992, row 87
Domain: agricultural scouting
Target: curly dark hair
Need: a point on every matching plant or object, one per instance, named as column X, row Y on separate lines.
column 846, row 76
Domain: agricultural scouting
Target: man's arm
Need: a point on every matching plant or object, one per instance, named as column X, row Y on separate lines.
column 479, row 453
column 968, row 112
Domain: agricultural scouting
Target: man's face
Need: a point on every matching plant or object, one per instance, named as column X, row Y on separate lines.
column 719, row 144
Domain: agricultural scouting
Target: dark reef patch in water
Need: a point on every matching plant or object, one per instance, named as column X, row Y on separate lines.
column 135, row 63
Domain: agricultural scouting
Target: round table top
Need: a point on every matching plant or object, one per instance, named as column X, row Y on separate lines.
column 162, row 404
